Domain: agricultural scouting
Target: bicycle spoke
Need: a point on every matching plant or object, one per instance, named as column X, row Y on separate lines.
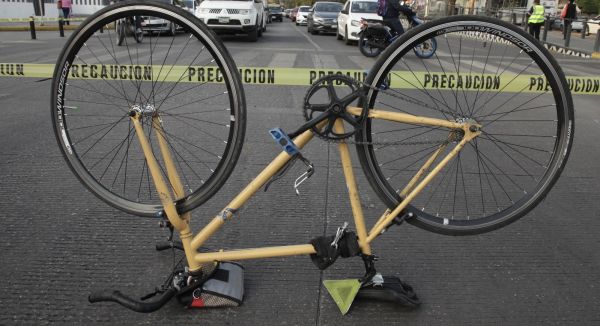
column 508, row 166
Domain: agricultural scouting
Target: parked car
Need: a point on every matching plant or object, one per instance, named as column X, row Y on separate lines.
column 293, row 14
column 559, row 24
column 287, row 13
column 349, row 18
column 234, row 16
column 322, row 17
column 301, row 17
column 154, row 24
column 275, row 14
column 593, row 25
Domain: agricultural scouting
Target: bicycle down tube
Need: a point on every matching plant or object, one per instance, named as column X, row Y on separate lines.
column 460, row 132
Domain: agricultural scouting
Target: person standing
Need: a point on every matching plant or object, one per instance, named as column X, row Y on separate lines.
column 66, row 8
column 536, row 19
column 570, row 14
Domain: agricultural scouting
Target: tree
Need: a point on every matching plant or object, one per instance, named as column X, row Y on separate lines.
column 589, row 6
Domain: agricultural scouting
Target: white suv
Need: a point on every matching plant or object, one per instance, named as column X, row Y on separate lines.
column 234, row 16
column 349, row 18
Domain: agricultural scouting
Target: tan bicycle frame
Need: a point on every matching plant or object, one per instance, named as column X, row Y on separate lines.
column 191, row 243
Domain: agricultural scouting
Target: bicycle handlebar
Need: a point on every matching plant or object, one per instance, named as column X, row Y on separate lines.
column 135, row 305
column 166, row 245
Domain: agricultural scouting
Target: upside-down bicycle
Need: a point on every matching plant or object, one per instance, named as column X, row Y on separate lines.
column 463, row 143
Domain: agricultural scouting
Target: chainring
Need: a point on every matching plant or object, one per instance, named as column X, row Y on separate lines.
column 323, row 97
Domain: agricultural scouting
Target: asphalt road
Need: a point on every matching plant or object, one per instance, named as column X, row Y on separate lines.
column 59, row 242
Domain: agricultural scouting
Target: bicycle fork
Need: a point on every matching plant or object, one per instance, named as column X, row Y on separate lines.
column 179, row 222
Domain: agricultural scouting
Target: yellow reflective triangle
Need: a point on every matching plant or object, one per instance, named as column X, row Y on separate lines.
column 343, row 292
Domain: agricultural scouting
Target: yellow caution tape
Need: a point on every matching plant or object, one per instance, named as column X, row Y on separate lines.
column 505, row 82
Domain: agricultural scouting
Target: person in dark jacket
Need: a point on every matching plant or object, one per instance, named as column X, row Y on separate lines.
column 391, row 17
column 570, row 15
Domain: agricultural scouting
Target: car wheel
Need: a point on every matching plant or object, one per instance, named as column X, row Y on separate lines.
column 346, row 38
column 253, row 35
column 172, row 29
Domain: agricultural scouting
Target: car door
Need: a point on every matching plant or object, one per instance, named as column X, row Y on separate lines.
column 343, row 18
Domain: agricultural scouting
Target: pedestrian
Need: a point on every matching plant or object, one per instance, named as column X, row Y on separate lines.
column 536, row 19
column 66, row 9
column 392, row 15
column 59, row 7
column 569, row 14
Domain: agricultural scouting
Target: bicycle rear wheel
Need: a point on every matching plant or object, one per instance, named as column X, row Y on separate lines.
column 365, row 46
column 485, row 71
column 187, row 80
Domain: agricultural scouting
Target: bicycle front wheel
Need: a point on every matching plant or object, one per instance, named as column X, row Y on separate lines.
column 187, row 81
column 486, row 72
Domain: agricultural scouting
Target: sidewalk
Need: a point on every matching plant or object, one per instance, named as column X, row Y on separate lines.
column 585, row 45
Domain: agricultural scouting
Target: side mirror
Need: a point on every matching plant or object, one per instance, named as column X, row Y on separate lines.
column 345, row 12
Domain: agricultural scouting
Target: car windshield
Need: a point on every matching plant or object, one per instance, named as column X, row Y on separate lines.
column 274, row 10
column 328, row 7
column 364, row 7
column 303, row 9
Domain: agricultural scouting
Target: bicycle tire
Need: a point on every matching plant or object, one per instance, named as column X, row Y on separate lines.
column 93, row 92
column 138, row 35
column 527, row 130
column 430, row 45
column 120, row 32
column 365, row 49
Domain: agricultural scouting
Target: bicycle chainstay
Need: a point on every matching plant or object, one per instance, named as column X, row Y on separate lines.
column 360, row 92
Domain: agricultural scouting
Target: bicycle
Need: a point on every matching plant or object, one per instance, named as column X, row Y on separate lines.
column 128, row 26
column 375, row 36
column 467, row 144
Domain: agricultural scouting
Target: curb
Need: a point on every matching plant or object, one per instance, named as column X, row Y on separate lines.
column 37, row 28
column 571, row 51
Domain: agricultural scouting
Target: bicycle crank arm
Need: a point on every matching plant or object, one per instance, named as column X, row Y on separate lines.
column 135, row 305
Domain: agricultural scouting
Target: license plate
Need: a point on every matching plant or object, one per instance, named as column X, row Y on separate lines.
column 224, row 20
column 334, row 26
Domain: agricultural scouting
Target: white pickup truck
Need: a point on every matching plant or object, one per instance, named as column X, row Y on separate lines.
column 234, row 16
